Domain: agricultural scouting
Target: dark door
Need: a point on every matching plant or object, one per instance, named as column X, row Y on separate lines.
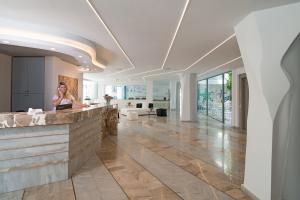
column 244, row 101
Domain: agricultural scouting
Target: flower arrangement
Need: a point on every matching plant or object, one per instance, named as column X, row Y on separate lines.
column 107, row 99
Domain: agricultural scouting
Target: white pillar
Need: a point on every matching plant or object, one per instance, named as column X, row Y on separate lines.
column 101, row 92
column 264, row 37
column 189, row 97
column 173, row 85
column 149, row 91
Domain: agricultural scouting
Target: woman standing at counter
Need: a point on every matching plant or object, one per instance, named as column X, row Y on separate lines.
column 63, row 99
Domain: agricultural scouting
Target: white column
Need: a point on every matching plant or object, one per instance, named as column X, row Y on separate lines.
column 149, row 91
column 101, row 92
column 189, row 97
column 264, row 37
column 173, row 85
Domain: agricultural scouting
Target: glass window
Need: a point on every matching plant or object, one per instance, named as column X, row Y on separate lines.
column 109, row 90
column 202, row 96
column 227, row 97
column 161, row 90
column 212, row 100
column 117, row 92
column 135, row 92
column 90, row 90
column 215, row 97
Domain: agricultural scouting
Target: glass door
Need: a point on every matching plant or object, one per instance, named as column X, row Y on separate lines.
column 215, row 97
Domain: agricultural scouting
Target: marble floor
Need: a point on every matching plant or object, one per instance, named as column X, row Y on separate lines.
column 157, row 158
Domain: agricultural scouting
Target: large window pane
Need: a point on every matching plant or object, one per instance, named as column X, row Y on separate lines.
column 202, row 96
column 90, row 90
column 215, row 97
column 227, row 97
column 135, row 92
column 117, row 92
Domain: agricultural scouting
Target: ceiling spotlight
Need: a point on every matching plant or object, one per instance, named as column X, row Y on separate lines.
column 5, row 42
column 84, row 69
column 53, row 49
column 80, row 56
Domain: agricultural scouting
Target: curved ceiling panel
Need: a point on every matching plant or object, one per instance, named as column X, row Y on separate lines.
column 79, row 48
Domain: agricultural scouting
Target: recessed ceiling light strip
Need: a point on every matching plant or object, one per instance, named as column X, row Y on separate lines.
column 171, row 43
column 200, row 59
column 23, row 36
column 96, row 12
column 208, row 53
column 208, row 71
column 215, row 68
column 164, row 73
column 175, row 33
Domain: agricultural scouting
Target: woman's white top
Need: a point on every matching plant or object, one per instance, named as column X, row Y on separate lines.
column 64, row 101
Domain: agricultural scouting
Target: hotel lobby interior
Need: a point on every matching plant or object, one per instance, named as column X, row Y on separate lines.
column 144, row 99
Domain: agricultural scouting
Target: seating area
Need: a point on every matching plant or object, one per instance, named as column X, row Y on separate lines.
column 140, row 108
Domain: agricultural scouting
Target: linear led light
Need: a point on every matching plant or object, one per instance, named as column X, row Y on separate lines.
column 197, row 61
column 175, row 33
column 96, row 12
column 215, row 68
column 208, row 71
column 208, row 53
column 171, row 43
column 164, row 73
column 25, row 35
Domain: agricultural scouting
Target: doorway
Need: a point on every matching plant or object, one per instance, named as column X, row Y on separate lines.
column 244, row 100
column 178, row 97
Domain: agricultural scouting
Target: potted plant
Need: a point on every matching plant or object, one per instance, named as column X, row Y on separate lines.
column 107, row 99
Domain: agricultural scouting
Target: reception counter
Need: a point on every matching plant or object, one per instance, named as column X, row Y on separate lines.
column 51, row 146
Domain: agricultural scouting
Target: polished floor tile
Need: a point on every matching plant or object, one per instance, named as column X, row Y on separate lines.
column 157, row 158
column 135, row 180
column 56, row 191
column 94, row 181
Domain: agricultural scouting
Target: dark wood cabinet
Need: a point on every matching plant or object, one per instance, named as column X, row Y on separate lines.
column 28, row 83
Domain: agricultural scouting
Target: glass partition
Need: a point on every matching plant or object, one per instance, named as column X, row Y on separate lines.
column 227, row 97
column 117, row 92
column 135, row 92
column 215, row 97
column 202, row 96
column 90, row 90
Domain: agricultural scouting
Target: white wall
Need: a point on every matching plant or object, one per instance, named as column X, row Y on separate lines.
column 263, row 38
column 5, row 83
column 54, row 67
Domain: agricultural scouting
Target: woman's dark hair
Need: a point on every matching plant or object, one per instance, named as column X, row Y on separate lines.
column 62, row 83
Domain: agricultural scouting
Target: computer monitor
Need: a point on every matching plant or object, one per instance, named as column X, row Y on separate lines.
column 63, row 107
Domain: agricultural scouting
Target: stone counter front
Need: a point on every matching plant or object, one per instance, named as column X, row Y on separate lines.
column 49, row 147
column 13, row 120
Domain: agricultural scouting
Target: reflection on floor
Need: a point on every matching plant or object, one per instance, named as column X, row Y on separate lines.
column 157, row 158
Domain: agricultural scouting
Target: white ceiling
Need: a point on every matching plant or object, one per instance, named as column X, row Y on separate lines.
column 141, row 31
column 12, row 50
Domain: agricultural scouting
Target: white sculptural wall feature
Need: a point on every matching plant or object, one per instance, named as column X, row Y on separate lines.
column 264, row 38
column 286, row 139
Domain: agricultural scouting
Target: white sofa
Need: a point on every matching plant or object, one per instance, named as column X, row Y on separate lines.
column 140, row 111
